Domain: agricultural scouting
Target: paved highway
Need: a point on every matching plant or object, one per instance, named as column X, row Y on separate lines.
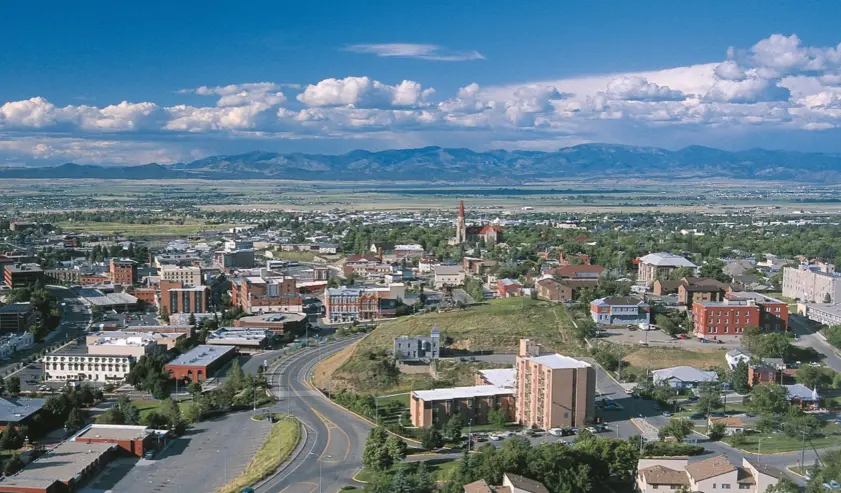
column 332, row 452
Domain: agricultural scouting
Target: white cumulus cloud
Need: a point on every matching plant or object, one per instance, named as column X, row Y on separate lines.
column 363, row 92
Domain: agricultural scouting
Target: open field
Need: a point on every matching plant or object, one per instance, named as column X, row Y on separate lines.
column 191, row 227
column 655, row 358
column 280, row 442
column 148, row 406
column 775, row 443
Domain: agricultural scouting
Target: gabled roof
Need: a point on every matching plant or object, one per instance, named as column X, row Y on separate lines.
column 766, row 469
column 526, row 484
column 801, row 392
column 665, row 259
column 663, row 475
column 575, row 271
column 685, row 374
column 710, row 468
column 620, row 301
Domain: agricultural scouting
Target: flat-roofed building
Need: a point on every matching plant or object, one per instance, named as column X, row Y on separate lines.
column 266, row 293
column 17, row 317
column 812, row 283
column 553, row 391
column 434, row 407
column 729, row 318
column 16, row 341
column 189, row 275
column 277, row 323
column 17, row 411
column 122, row 343
column 201, row 362
column 75, row 363
column 176, row 297
column 20, row 275
column 247, row 339
column 620, row 310
column 136, row 440
column 123, row 271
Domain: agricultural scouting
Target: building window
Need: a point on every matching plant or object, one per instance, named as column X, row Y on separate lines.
column 725, row 486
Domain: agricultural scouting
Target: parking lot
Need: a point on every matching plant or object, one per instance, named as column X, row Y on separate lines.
column 131, row 318
column 198, row 461
column 626, row 335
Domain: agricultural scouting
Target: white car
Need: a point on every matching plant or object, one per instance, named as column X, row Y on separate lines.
column 556, row 432
column 592, row 429
column 494, row 438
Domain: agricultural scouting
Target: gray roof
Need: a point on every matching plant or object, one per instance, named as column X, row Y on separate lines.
column 16, row 308
column 15, row 410
column 801, row 392
column 201, row 355
column 665, row 259
column 448, row 270
column 685, row 374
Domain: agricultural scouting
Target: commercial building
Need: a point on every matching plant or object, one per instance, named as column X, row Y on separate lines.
column 235, row 259
column 418, row 348
column 620, row 310
column 123, row 271
column 276, row 323
column 579, row 272
column 738, row 310
column 822, row 313
column 434, row 407
column 75, row 363
column 448, row 275
column 245, row 339
column 108, row 301
column 553, row 391
column 713, row 474
column 72, row 462
column 18, row 411
column 188, row 275
column 356, row 304
column 266, row 293
column 366, row 267
column 17, row 317
column 201, row 362
column 659, row 266
column 11, row 343
column 20, row 275
column 812, row 283
column 176, row 297
column 120, row 343
column 408, row 251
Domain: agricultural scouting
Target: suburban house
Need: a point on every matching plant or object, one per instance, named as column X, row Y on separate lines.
column 659, row 266
column 620, row 310
column 735, row 356
column 762, row 373
column 803, row 396
column 683, row 376
column 713, row 474
column 508, row 288
column 734, row 424
column 511, row 483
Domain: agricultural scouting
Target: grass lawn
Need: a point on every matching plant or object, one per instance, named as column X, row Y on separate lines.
column 773, row 443
column 147, row 406
column 286, row 433
column 295, row 256
column 656, row 358
column 441, row 470
column 495, row 326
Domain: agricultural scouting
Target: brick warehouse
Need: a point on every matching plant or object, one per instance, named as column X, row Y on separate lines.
column 201, row 362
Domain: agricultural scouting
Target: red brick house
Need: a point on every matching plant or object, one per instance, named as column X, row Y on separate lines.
column 508, row 288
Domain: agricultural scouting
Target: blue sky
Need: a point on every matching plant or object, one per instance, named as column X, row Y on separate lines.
column 99, row 82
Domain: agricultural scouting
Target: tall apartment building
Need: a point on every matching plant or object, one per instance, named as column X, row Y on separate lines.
column 730, row 317
column 123, row 271
column 812, row 283
column 659, row 266
column 553, row 391
column 266, row 293
column 175, row 297
column 190, row 275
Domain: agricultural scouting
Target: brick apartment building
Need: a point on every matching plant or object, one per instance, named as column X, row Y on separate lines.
column 434, row 407
column 123, row 271
column 19, row 275
column 553, row 391
column 177, row 298
column 738, row 310
column 266, row 293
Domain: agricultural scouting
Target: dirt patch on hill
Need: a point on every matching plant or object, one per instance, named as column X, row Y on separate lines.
column 327, row 367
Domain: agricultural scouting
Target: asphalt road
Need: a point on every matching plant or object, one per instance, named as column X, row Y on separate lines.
column 808, row 337
column 332, row 453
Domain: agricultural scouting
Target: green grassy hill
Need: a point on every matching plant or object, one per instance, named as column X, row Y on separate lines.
column 496, row 326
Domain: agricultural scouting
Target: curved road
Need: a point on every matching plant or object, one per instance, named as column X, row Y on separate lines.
column 332, row 452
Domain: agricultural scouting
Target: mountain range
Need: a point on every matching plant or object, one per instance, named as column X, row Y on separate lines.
column 443, row 165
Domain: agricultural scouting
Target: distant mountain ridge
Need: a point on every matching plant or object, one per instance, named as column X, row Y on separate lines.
column 436, row 164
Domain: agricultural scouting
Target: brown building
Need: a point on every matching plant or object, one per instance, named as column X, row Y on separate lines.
column 695, row 289
column 134, row 440
column 759, row 374
column 62, row 276
column 20, row 275
column 553, row 391
column 146, row 295
column 552, row 290
column 177, row 298
column 434, row 407
column 666, row 287
column 200, row 363
column 266, row 293
column 123, row 271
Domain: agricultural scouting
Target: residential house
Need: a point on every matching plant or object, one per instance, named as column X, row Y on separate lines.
column 418, row 348
column 694, row 289
column 508, row 288
column 803, row 396
column 511, row 483
column 620, row 310
column 707, row 475
column 578, row 272
column 550, row 289
column 683, row 376
column 762, row 373
column 735, row 356
column 665, row 287
column 733, row 424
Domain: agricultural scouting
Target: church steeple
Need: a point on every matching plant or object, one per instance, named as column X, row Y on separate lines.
column 461, row 231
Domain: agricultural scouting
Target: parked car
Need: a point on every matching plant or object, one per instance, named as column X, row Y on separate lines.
column 592, row 429
column 494, row 438
column 667, row 414
column 556, row 432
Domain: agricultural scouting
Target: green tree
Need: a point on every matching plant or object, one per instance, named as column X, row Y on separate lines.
column 739, row 378
column 717, row 431
column 235, row 377
column 192, row 413
column 12, row 465
column 395, row 448
column 768, row 399
column 497, row 418
column 192, row 319
column 709, row 397
column 452, row 430
column 431, row 439
column 798, row 424
column 131, row 416
column 784, row 485
column 752, row 340
column 812, row 376
column 13, row 385
column 75, row 421
column 375, row 455
column 194, row 388
column 678, row 428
